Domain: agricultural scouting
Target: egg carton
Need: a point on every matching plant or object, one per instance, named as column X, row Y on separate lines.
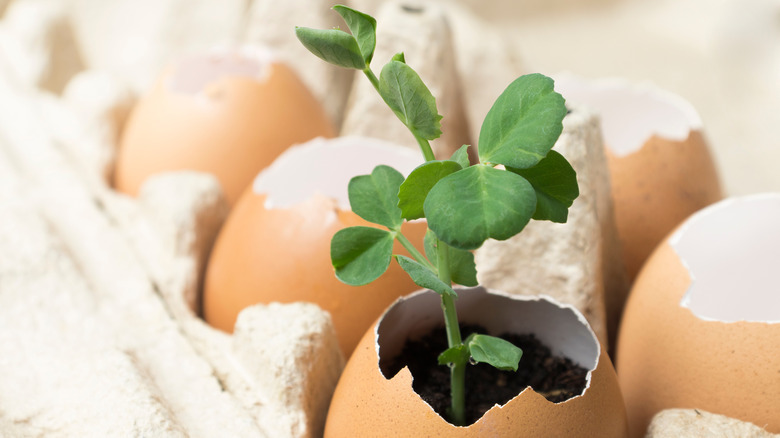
column 98, row 291
column 696, row 423
column 97, row 331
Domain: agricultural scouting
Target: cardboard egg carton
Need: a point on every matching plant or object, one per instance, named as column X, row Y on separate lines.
column 696, row 423
column 98, row 334
column 98, row 329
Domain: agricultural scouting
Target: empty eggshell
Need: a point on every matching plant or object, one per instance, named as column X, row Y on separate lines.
column 275, row 244
column 660, row 166
column 702, row 325
column 229, row 112
column 368, row 403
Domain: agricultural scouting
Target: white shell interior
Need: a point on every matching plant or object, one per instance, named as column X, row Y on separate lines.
column 631, row 113
column 560, row 327
column 193, row 73
column 732, row 252
column 325, row 166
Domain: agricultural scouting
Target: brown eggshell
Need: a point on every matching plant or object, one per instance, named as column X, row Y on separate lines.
column 279, row 252
column 660, row 166
column 228, row 113
column 709, row 337
column 367, row 404
column 658, row 187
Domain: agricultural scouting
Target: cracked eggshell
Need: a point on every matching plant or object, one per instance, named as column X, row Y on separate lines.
column 275, row 244
column 369, row 404
column 701, row 329
column 228, row 112
column 659, row 162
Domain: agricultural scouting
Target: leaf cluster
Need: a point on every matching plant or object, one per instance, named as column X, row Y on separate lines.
column 398, row 84
column 517, row 178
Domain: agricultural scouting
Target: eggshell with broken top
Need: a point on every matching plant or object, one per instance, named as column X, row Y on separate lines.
column 370, row 403
column 275, row 245
column 701, row 328
column 660, row 165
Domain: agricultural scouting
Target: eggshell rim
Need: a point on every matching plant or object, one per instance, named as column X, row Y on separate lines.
column 264, row 56
column 640, row 89
column 480, row 289
column 292, row 153
column 678, row 234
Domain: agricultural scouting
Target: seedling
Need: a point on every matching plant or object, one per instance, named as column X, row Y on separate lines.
column 518, row 177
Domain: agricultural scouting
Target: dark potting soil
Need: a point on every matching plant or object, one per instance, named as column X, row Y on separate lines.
column 555, row 378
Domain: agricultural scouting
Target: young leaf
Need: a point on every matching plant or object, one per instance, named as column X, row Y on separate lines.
column 374, row 197
column 424, row 277
column 468, row 207
column 415, row 188
column 458, row 354
column 497, row 352
column 523, row 124
column 399, row 57
column 361, row 254
column 363, row 28
column 461, row 156
column 463, row 269
column 332, row 45
column 409, row 98
column 555, row 183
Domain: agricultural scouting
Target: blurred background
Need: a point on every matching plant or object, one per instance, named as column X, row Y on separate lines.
column 721, row 55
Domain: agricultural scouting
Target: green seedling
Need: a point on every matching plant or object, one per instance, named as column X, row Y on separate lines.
column 518, row 178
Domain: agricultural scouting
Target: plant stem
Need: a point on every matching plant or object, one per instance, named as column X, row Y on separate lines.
column 458, row 370
column 426, row 148
column 413, row 251
column 371, row 77
column 458, row 393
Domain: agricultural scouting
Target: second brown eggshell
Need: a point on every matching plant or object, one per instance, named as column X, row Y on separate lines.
column 275, row 245
column 660, row 165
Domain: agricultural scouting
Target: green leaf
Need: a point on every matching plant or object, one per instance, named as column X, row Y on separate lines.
column 458, row 354
column 363, row 28
column 523, row 124
column 415, row 188
column 461, row 156
column 409, row 98
column 332, row 45
column 468, row 207
column 463, row 269
column 555, row 183
column 399, row 57
column 361, row 254
column 495, row 351
column 374, row 197
column 422, row 276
